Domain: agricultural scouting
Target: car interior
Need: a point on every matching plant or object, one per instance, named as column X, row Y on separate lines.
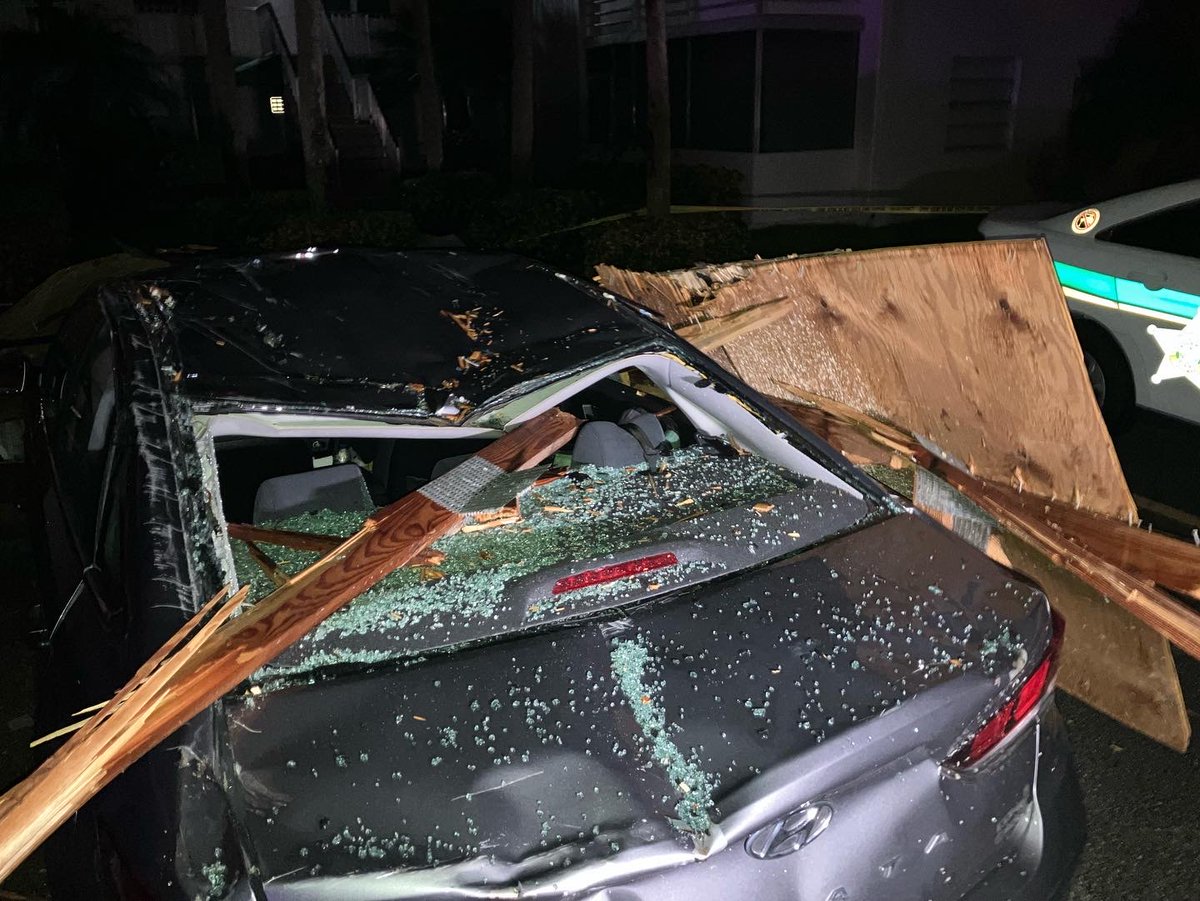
column 267, row 479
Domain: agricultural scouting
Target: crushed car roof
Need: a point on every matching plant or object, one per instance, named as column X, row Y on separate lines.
column 380, row 332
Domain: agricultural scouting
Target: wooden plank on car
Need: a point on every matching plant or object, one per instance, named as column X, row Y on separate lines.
column 179, row 682
column 968, row 345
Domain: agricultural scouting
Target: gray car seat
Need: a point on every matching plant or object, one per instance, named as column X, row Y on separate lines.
column 338, row 488
column 637, row 437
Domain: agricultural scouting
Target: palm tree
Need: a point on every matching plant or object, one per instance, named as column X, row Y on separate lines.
column 658, row 112
column 222, row 86
column 522, row 91
column 314, row 123
column 429, row 96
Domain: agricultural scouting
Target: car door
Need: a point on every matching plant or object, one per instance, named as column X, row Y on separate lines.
column 1137, row 273
column 89, row 448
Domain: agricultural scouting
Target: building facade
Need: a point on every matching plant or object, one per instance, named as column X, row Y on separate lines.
column 833, row 101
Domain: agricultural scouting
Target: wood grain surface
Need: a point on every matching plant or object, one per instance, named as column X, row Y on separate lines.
column 1114, row 657
column 968, row 345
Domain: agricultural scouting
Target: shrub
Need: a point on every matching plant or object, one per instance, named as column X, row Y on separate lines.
column 446, row 203
column 621, row 185
column 656, row 244
column 519, row 221
column 233, row 223
column 375, row 228
column 704, row 185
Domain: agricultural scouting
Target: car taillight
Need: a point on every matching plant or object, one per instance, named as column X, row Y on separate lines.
column 1019, row 706
column 616, row 571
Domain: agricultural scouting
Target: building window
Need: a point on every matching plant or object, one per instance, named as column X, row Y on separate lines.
column 720, row 93
column 983, row 96
column 616, row 94
column 809, row 86
column 277, row 106
column 808, row 90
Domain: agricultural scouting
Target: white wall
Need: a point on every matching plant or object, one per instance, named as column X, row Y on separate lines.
column 920, row 40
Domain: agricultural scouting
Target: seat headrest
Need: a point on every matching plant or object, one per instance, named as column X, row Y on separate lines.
column 337, row 488
column 637, row 437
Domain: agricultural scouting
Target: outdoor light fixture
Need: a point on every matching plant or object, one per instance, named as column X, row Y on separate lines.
column 277, row 106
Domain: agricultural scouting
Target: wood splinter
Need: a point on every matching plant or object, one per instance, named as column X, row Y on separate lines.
column 212, row 653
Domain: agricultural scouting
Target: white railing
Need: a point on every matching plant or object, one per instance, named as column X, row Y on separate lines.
column 362, row 95
column 620, row 21
column 274, row 40
column 361, row 35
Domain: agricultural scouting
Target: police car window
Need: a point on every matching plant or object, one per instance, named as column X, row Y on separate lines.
column 1176, row 230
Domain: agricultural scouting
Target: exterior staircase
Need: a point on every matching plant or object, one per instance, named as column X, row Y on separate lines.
column 365, row 165
column 368, row 156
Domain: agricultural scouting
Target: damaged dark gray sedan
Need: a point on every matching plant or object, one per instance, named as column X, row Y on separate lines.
column 694, row 655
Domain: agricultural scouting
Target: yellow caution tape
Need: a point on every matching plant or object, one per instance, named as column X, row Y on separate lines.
column 889, row 209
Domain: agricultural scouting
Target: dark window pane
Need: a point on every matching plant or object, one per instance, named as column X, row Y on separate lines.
column 809, row 83
column 616, row 94
column 1176, row 230
column 722, row 92
column 677, row 74
column 599, row 96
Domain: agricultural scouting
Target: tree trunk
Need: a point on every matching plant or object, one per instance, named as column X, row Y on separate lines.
column 522, row 91
column 658, row 112
column 314, row 125
column 429, row 96
column 222, row 88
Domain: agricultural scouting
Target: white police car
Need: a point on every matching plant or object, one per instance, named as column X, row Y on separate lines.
column 1130, row 269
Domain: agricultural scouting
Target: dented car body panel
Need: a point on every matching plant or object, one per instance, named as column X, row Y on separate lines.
column 779, row 728
column 524, row 761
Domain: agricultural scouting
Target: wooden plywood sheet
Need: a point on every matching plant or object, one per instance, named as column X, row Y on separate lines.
column 968, row 345
column 1110, row 659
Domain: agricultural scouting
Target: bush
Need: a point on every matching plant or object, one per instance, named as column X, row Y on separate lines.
column 446, row 203
column 376, row 228
column 32, row 247
column 703, row 185
column 652, row 245
column 621, row 185
column 233, row 223
column 519, row 221
column 35, row 236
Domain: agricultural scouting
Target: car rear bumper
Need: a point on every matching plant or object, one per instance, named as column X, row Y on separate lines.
column 1046, row 855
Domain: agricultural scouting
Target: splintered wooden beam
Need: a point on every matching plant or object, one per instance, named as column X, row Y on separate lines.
column 266, row 564
column 1116, row 660
column 207, row 659
column 709, row 334
column 1159, row 558
column 305, row 541
column 1172, row 619
column 1143, row 560
column 299, row 541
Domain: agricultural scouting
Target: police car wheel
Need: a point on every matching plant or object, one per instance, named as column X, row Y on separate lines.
column 1108, row 373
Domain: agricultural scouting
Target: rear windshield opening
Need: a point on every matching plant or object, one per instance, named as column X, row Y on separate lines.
column 641, row 503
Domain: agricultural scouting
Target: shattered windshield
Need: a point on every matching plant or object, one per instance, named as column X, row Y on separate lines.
column 642, row 503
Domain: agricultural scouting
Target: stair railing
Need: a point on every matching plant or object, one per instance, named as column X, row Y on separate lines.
column 362, row 95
